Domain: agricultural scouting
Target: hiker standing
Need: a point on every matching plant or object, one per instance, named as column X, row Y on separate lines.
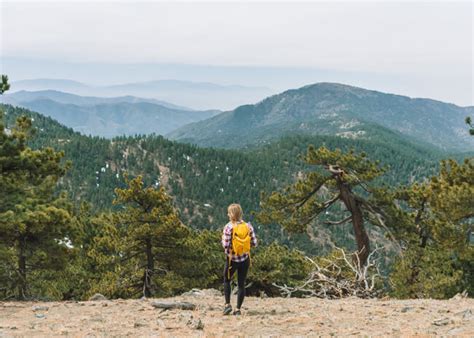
column 237, row 238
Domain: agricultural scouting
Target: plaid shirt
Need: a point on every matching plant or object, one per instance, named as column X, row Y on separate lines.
column 227, row 242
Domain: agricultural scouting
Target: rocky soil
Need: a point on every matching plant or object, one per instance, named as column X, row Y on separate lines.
column 260, row 317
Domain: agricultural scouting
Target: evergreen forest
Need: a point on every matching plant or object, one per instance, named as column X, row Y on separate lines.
column 143, row 215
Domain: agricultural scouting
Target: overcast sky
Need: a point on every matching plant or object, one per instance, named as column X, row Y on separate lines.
column 428, row 42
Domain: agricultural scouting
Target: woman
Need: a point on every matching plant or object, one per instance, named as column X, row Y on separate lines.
column 237, row 238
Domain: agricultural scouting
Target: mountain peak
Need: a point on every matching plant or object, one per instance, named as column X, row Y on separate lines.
column 336, row 109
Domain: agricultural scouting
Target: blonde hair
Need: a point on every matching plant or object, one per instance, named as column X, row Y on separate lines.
column 235, row 212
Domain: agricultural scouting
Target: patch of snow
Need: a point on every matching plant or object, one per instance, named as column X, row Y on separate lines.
column 351, row 134
column 327, row 116
column 349, row 124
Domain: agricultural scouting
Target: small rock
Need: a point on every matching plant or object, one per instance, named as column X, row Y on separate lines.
column 40, row 315
column 185, row 317
column 139, row 325
column 455, row 331
column 460, row 296
column 193, row 293
column 97, row 296
column 406, row 309
column 196, row 324
column 466, row 314
column 203, row 293
column 105, row 304
column 442, row 322
column 164, row 325
column 253, row 313
column 40, row 308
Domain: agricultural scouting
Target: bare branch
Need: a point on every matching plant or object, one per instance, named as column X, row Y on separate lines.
column 328, row 281
column 345, row 220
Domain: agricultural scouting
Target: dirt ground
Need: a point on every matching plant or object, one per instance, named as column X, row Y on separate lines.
column 260, row 317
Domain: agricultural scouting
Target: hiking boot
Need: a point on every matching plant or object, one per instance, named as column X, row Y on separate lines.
column 237, row 312
column 227, row 309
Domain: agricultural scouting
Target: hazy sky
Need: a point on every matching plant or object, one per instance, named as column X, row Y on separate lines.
column 430, row 43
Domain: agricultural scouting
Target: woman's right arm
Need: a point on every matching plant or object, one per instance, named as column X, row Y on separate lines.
column 226, row 237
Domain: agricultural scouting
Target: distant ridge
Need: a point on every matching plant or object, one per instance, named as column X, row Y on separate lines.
column 197, row 95
column 107, row 117
column 63, row 97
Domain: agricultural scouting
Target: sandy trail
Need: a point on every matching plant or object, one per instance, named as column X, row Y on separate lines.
column 261, row 317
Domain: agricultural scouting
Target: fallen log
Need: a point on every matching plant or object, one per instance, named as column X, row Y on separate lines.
column 174, row 305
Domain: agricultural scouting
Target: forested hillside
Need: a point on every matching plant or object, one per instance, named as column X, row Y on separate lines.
column 149, row 204
column 204, row 181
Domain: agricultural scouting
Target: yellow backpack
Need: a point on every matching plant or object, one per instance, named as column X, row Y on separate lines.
column 241, row 239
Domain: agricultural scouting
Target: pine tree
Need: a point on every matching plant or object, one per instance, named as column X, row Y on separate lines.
column 153, row 233
column 34, row 221
column 336, row 178
column 433, row 223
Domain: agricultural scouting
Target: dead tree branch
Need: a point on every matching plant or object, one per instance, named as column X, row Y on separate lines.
column 338, row 278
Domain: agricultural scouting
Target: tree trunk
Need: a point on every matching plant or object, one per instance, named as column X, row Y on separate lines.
column 351, row 204
column 148, row 270
column 22, row 269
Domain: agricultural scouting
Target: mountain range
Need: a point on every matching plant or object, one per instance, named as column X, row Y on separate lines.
column 318, row 109
column 333, row 109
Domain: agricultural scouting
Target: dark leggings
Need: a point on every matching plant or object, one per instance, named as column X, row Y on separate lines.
column 242, row 268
